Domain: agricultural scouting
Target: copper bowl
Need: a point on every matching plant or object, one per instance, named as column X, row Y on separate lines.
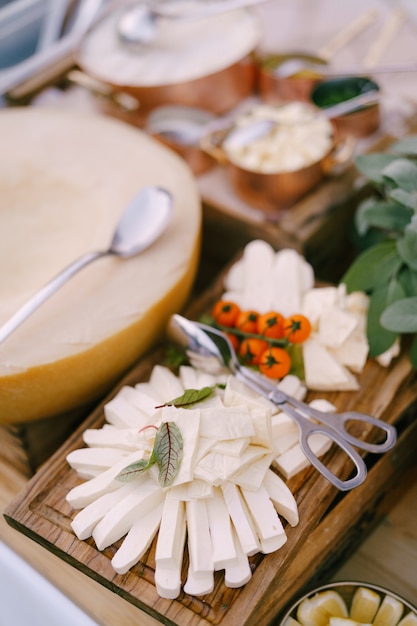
column 274, row 192
column 274, row 88
column 360, row 123
column 216, row 82
column 347, row 591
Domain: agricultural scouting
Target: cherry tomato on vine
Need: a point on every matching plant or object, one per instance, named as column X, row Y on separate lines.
column 275, row 362
column 296, row 328
column 247, row 321
column 270, row 325
column 251, row 350
column 225, row 312
column 233, row 340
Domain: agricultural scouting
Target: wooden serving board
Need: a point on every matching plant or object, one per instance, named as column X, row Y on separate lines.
column 331, row 523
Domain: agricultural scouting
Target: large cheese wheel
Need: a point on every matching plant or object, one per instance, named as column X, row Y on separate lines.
column 65, row 178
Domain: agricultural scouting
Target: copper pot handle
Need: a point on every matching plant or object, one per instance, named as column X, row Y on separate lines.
column 340, row 155
column 211, row 144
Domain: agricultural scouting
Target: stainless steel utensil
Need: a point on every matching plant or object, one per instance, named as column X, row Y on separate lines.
column 139, row 22
column 212, row 343
column 142, row 222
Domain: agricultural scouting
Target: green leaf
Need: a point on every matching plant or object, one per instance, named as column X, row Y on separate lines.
column 406, row 198
column 190, row 397
column 168, row 451
column 408, row 145
column 371, row 165
column 379, row 337
column 381, row 214
column 408, row 280
column 130, row 472
column 401, row 316
column 373, row 267
column 403, row 173
column 407, row 245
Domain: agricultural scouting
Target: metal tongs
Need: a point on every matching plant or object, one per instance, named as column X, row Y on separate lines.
column 209, row 342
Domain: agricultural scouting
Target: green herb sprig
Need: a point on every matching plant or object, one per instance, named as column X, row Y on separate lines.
column 386, row 225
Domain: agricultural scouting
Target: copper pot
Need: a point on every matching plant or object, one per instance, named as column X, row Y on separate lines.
column 103, row 57
column 275, row 192
column 274, row 88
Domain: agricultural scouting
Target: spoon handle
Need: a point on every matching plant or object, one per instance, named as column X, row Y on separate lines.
column 46, row 291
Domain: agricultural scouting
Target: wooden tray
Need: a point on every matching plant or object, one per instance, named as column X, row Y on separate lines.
column 330, row 522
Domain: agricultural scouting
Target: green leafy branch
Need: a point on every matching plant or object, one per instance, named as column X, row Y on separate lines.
column 386, row 224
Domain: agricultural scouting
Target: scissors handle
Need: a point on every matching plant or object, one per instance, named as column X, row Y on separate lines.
column 337, row 422
column 308, row 429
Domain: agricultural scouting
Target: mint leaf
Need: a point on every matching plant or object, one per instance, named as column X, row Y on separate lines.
column 373, row 267
column 168, row 451
column 406, row 198
column 408, row 280
column 408, row 145
column 401, row 316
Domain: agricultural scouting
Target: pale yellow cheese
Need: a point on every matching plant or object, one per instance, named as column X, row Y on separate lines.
column 65, row 178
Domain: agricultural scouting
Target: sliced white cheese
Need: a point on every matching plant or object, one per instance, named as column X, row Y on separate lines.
column 200, row 578
column 188, row 421
column 235, row 277
column 282, row 497
column 261, row 420
column 353, row 353
column 238, row 574
column 194, row 490
column 139, row 400
column 251, row 477
column 188, row 376
column 317, row 301
column 226, row 423
column 170, row 548
column 137, row 540
column 292, row 386
column 269, row 527
column 236, row 393
column 118, row 521
column 389, row 612
column 231, row 447
column 386, row 357
column 101, row 459
column 81, row 495
column 284, row 432
column 151, row 397
column 322, row 370
column 120, row 412
column 84, row 522
column 241, row 518
column 223, row 545
column 122, row 438
column 164, row 382
column 258, row 260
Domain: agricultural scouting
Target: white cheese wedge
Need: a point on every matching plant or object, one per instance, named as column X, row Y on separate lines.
column 281, row 497
column 322, row 370
column 335, row 327
column 142, row 401
column 77, row 172
column 293, row 276
column 269, row 527
column 389, row 612
column 231, row 447
column 81, row 495
column 84, row 522
column 241, row 518
column 194, row 490
column 170, row 548
column 258, row 260
column 317, row 301
column 223, row 544
column 118, row 521
column 151, row 397
column 294, row 460
column 236, row 393
column 188, row 376
column 200, row 580
column 137, row 540
column 386, row 357
column 292, row 386
column 353, row 353
column 261, row 420
column 238, row 574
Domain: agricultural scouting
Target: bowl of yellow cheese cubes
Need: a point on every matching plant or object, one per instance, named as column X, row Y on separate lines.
column 350, row 604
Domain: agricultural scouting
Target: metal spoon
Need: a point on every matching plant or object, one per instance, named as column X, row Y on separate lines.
column 138, row 23
column 142, row 222
column 210, row 343
column 289, row 68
